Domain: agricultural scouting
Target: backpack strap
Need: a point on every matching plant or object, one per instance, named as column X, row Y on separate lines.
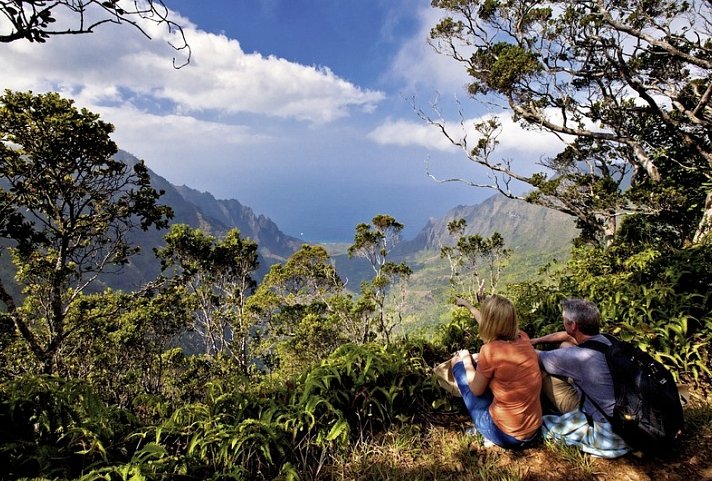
column 603, row 349
column 598, row 345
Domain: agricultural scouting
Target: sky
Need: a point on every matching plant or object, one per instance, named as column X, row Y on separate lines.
column 303, row 110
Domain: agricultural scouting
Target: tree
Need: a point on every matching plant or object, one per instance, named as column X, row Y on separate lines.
column 122, row 353
column 66, row 207
column 374, row 243
column 469, row 256
column 628, row 81
column 218, row 275
column 301, row 308
column 37, row 20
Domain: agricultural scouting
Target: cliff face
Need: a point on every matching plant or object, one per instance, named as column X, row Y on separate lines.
column 200, row 210
column 523, row 226
column 230, row 213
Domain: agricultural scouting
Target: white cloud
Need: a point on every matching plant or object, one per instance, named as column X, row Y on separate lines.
column 178, row 146
column 118, row 62
column 513, row 139
column 162, row 129
column 406, row 133
column 420, row 67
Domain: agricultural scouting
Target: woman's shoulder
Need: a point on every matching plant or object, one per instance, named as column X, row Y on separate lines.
column 520, row 339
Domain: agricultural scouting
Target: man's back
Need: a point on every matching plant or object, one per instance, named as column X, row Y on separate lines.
column 589, row 371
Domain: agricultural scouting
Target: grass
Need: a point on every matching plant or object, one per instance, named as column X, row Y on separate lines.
column 435, row 453
column 580, row 462
column 698, row 416
column 442, row 452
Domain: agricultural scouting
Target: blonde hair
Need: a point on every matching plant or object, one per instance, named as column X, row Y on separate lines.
column 499, row 319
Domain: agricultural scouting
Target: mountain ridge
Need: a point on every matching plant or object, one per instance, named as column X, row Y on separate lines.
column 232, row 213
column 523, row 226
column 203, row 211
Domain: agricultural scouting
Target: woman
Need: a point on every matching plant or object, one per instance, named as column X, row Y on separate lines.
column 502, row 393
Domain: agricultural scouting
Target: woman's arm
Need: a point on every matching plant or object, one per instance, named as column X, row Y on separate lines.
column 554, row 338
column 473, row 310
column 477, row 383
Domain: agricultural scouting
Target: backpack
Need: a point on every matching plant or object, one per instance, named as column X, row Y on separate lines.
column 647, row 413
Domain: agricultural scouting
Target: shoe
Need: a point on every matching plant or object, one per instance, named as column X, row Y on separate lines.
column 472, row 431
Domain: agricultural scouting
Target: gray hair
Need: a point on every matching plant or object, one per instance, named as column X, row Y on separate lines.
column 584, row 313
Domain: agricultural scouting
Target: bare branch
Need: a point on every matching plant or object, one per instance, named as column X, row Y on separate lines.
column 34, row 20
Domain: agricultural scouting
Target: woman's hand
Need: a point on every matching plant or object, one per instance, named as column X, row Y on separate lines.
column 459, row 301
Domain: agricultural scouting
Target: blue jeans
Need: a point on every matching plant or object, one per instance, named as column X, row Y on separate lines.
column 478, row 407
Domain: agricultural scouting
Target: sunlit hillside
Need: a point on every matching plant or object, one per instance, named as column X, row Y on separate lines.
column 535, row 235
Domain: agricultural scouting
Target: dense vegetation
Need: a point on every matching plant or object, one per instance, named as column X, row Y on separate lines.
column 205, row 373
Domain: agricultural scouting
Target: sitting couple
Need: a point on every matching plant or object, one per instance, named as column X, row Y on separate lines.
column 503, row 385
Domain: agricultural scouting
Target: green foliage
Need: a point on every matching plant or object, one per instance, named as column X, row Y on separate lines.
column 67, row 208
column 55, row 427
column 186, row 376
column 459, row 333
column 218, row 438
column 373, row 386
column 637, row 119
column 121, row 352
column 659, row 300
column 283, row 429
column 471, row 255
column 302, row 311
column 505, row 65
column 313, row 338
column 374, row 243
column 217, row 274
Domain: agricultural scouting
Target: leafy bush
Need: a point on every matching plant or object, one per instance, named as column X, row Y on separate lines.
column 373, row 385
column 659, row 300
column 459, row 333
column 284, row 428
column 56, row 427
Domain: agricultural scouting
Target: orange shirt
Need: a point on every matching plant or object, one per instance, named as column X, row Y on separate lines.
column 515, row 380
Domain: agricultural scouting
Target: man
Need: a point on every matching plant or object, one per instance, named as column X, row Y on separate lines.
column 578, row 383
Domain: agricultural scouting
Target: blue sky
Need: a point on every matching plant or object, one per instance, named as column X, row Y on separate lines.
column 299, row 109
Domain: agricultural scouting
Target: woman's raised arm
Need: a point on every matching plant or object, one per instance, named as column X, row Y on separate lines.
column 465, row 303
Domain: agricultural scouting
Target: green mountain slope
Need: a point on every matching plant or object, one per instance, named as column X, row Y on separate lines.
column 525, row 227
column 535, row 235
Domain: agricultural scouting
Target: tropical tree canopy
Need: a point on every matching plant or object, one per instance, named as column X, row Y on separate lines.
column 66, row 206
column 625, row 84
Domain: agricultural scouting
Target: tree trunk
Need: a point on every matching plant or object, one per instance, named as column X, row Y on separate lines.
column 705, row 226
column 610, row 225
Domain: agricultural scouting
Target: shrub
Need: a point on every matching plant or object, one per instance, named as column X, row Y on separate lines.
column 659, row 300
column 57, row 428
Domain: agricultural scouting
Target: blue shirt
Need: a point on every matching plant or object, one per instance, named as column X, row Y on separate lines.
column 589, row 371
